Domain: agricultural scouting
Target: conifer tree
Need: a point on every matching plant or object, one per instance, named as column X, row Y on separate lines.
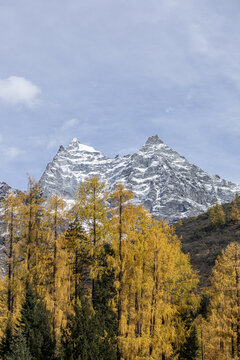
column 79, row 257
column 3, row 306
column 120, row 198
column 152, row 295
column 6, row 340
column 18, row 348
column 171, row 269
column 105, row 316
column 235, row 213
column 11, row 215
column 81, row 338
column 190, row 348
column 56, row 218
column 100, row 321
column 237, row 198
column 35, row 327
column 32, row 238
column 222, row 330
column 91, row 207
column 179, row 223
column 217, row 214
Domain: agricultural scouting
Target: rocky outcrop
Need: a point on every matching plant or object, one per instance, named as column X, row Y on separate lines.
column 4, row 188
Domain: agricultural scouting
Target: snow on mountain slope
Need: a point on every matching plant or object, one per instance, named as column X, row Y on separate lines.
column 162, row 180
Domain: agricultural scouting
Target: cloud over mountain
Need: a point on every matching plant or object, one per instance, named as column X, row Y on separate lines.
column 17, row 90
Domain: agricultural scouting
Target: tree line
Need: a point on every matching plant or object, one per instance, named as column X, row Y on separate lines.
column 103, row 280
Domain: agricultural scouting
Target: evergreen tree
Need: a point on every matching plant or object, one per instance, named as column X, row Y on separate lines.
column 79, row 258
column 190, row 348
column 18, row 348
column 204, row 306
column 106, row 317
column 5, row 345
column 35, row 327
column 90, row 332
column 81, row 338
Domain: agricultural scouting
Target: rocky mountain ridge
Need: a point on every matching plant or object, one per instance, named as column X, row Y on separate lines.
column 4, row 188
column 163, row 181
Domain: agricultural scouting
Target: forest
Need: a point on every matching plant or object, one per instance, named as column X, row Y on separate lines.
column 102, row 279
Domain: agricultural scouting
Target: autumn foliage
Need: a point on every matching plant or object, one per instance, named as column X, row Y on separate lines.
column 110, row 282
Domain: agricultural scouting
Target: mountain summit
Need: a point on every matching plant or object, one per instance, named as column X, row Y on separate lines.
column 154, row 140
column 162, row 180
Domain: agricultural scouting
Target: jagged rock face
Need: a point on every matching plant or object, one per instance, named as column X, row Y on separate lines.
column 162, row 180
column 4, row 188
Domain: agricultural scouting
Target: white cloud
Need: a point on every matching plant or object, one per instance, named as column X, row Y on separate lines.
column 69, row 124
column 17, row 90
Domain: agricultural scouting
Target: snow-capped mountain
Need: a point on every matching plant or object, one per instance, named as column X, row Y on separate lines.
column 162, row 180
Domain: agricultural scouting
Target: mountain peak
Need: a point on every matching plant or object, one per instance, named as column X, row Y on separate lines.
column 75, row 145
column 61, row 148
column 153, row 140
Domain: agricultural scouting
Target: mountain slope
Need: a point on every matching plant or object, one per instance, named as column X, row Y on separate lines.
column 204, row 241
column 162, row 180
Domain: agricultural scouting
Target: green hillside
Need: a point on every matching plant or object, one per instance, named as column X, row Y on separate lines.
column 204, row 241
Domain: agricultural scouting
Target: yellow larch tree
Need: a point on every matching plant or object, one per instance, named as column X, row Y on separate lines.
column 120, row 198
column 32, row 234
column 217, row 214
column 56, row 216
column 152, row 294
column 136, row 286
column 3, row 306
column 235, row 212
column 11, row 216
column 173, row 293
column 223, row 326
column 91, row 208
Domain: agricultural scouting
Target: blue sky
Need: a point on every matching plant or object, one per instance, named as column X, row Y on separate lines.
column 112, row 73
